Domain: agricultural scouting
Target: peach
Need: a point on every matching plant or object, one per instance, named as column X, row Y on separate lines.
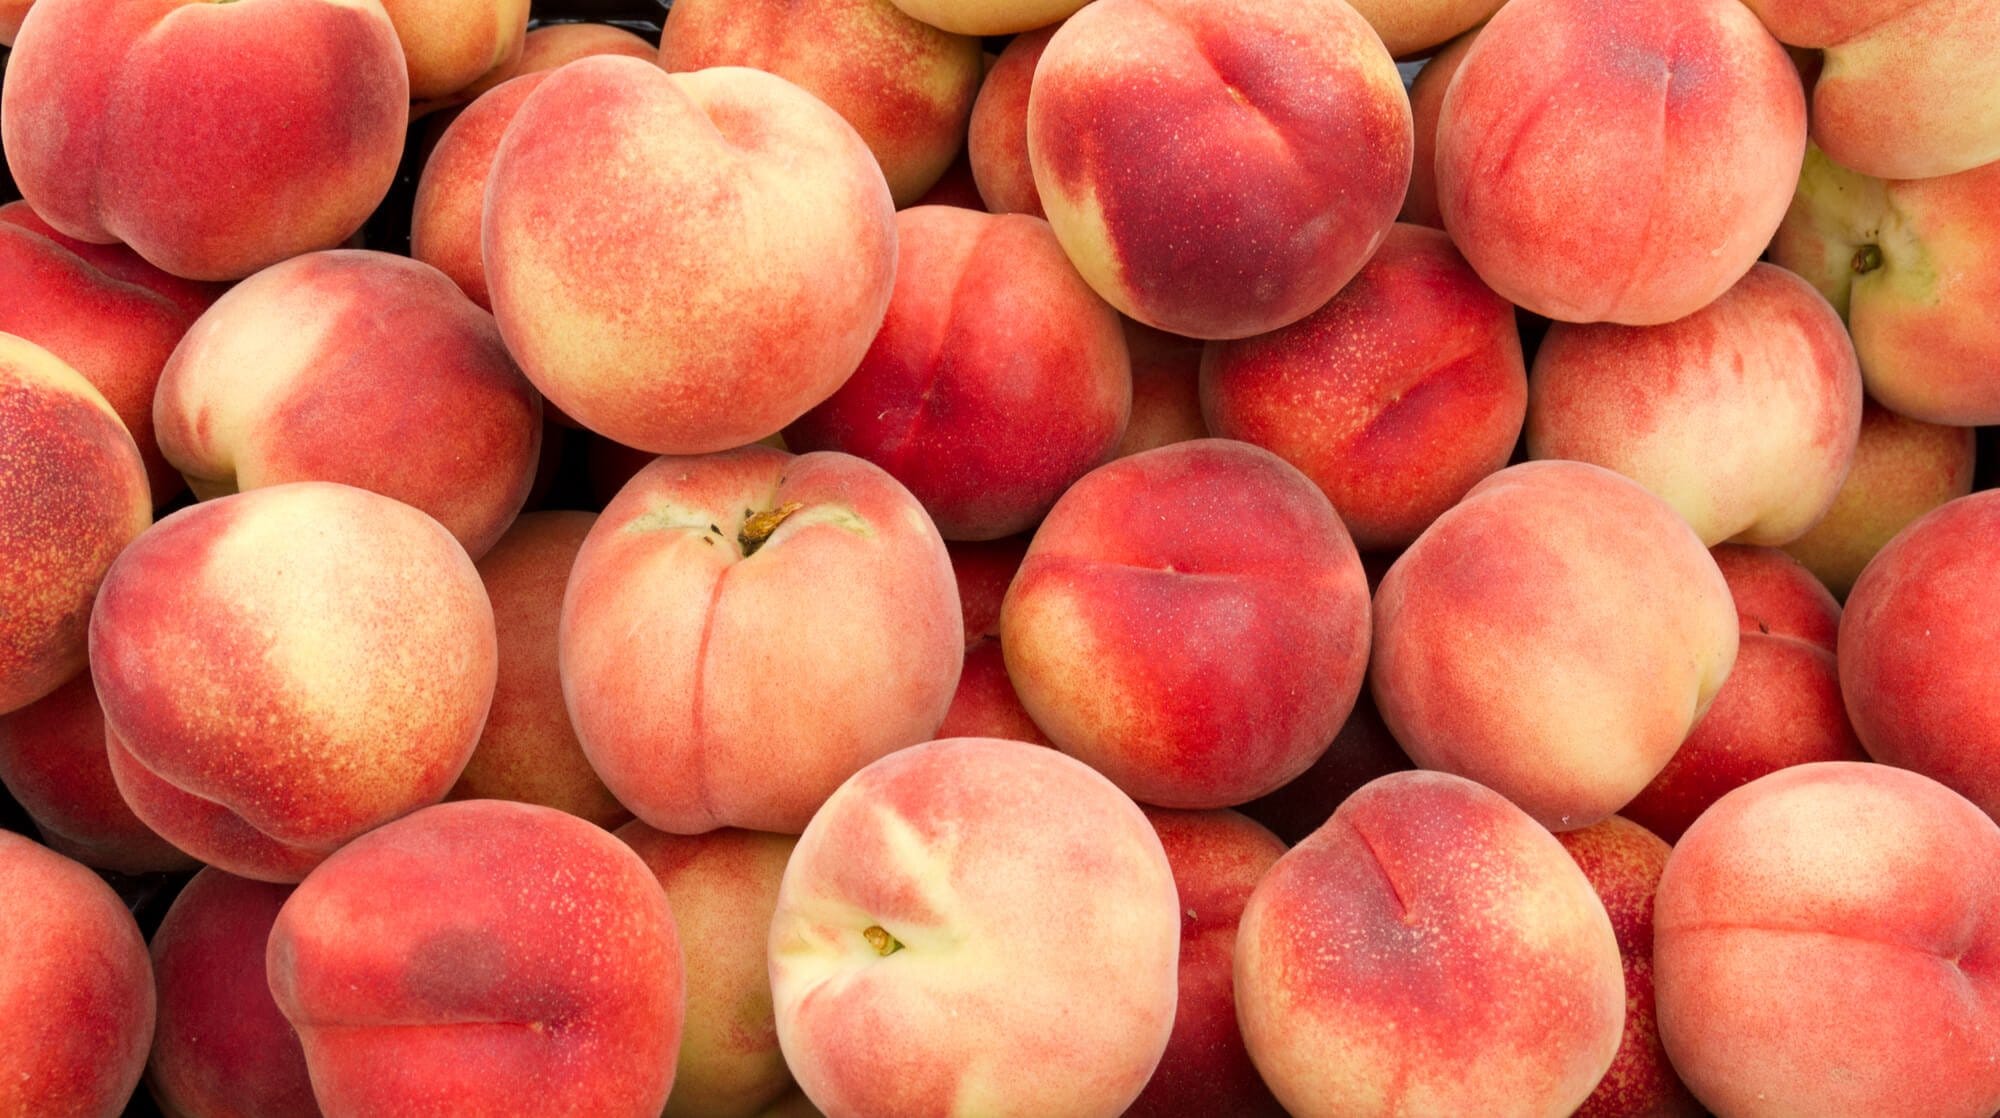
column 1396, row 397
column 53, row 762
column 1413, row 30
column 1431, row 950
column 12, row 12
column 1290, row 138
column 1912, row 266
column 528, row 750
column 1780, row 705
column 105, row 312
column 214, row 139
column 1909, row 88
column 450, row 44
column 1684, row 118
column 76, row 989
column 986, row 704
column 1918, row 648
column 743, row 631
column 222, row 1049
column 1420, row 205
column 733, row 263
column 1192, row 622
column 284, row 669
column 975, row 926
column 1218, row 857
column 723, row 889
column 362, row 368
column 1362, row 751
column 996, row 141
column 1623, row 862
column 1166, row 390
column 990, row 17
column 1903, row 468
column 1827, row 942
column 482, row 958
column 793, row 1105
column 1742, row 416
column 73, row 493
column 1554, row 636
column 555, row 45
column 905, row 86
column 451, row 192
column 954, row 188
column 997, row 380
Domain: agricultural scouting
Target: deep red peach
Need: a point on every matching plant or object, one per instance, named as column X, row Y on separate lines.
column 996, row 140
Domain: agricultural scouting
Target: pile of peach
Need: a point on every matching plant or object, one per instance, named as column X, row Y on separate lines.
column 1000, row 559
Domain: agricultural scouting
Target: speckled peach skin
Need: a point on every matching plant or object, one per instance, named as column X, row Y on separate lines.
column 450, row 44
column 986, row 704
column 1166, row 390
column 998, row 377
column 1920, row 649
column 106, row 313
column 1413, row 30
column 1619, row 160
column 905, row 86
column 1623, row 862
column 1396, row 397
column 975, row 927
column 990, row 17
column 1420, row 204
column 723, row 672
column 451, row 192
column 483, row 959
column 1291, row 137
column 76, row 989
column 1910, row 265
column 285, row 669
column 528, row 750
column 996, row 140
column 723, row 889
column 1827, row 943
column 222, row 1049
column 1430, row 950
column 1780, row 705
column 1218, row 857
column 358, row 367
column 1909, row 89
column 1362, row 751
column 1192, row 622
column 730, row 183
column 1554, row 636
column 73, row 493
column 1742, row 416
column 53, row 762
column 1903, row 468
column 214, row 139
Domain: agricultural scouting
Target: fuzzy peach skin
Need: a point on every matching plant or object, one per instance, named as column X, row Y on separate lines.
column 1166, row 390
column 1431, row 950
column 1420, row 204
column 1218, row 857
column 996, row 140
column 1743, row 416
column 990, row 17
column 1909, row 89
column 723, row 889
column 997, row 380
column 551, row 47
column 1396, row 397
column 222, row 1049
column 105, row 312
column 482, row 959
column 528, row 750
column 975, row 927
column 1290, row 135
column 734, row 262
column 1554, row 637
column 1686, row 111
column 1903, row 468
column 1780, row 705
column 1623, row 862
column 1413, row 30
column 214, row 139
column 905, row 86
column 1827, row 943
column 450, row 44
column 1920, row 649
column 1911, row 266
column 284, row 669
column 1362, row 751
column 76, row 989
column 451, row 192
column 743, row 631
column 12, row 12
column 73, row 493
column 358, row 367
column 1192, row 622
column 53, row 762
column 986, row 704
